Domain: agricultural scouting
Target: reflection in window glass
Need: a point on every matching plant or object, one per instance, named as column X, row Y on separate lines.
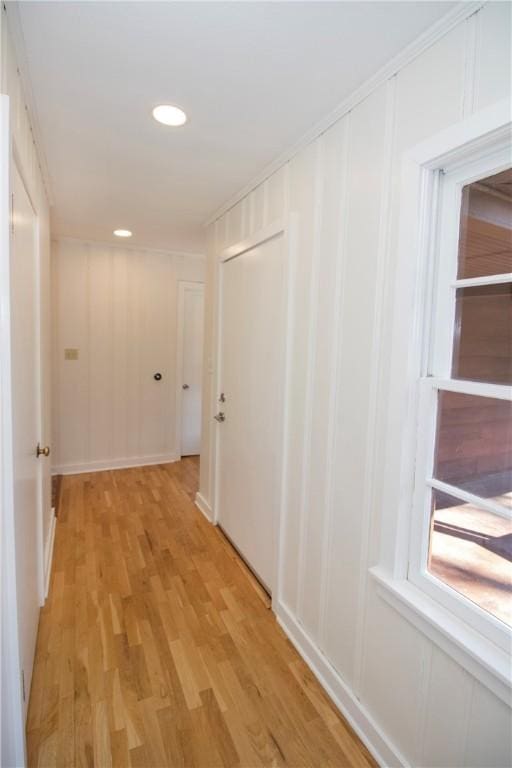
column 485, row 245
column 471, row 551
column 474, row 445
column 483, row 334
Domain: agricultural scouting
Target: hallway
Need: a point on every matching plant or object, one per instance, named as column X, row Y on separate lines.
column 156, row 647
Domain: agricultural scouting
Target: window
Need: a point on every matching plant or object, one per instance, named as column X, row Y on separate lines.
column 461, row 545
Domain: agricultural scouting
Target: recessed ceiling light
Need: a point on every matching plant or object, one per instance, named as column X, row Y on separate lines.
column 169, row 115
column 122, row 233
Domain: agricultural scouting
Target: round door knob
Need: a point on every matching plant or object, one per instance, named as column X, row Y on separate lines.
column 157, row 376
column 185, row 386
column 42, row 451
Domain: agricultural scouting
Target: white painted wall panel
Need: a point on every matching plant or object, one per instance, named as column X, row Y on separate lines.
column 489, row 735
column 493, row 71
column 443, row 739
column 302, row 202
column 419, row 704
column 347, row 533
column 117, row 306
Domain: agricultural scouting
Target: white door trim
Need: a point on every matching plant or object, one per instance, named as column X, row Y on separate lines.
column 12, row 749
column 183, row 286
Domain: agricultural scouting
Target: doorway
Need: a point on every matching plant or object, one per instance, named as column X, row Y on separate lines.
column 189, row 367
column 22, row 476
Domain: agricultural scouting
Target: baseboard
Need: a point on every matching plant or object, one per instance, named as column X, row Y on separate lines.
column 106, row 464
column 204, row 507
column 48, row 553
column 385, row 753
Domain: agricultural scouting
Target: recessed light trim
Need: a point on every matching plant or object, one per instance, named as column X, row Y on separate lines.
column 168, row 114
column 122, row 233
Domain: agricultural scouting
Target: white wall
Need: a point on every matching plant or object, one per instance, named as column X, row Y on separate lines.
column 24, row 147
column 416, row 704
column 118, row 307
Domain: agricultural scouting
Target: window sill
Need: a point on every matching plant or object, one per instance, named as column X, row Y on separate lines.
column 479, row 656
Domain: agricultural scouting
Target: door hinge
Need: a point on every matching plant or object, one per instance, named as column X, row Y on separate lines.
column 12, row 212
column 23, row 684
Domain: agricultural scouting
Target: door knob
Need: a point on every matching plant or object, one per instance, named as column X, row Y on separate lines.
column 185, row 386
column 219, row 416
column 42, row 451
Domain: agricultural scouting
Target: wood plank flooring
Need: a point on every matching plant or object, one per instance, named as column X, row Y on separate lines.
column 156, row 648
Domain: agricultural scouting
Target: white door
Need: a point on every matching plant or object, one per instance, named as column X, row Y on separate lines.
column 191, row 304
column 26, row 420
column 250, row 397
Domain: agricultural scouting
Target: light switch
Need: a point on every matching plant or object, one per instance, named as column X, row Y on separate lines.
column 71, row 354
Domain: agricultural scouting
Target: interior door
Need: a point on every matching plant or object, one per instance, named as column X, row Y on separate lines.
column 192, row 365
column 25, row 373
column 251, row 384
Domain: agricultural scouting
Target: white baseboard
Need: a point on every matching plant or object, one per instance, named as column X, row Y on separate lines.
column 48, row 553
column 101, row 466
column 385, row 753
column 204, row 507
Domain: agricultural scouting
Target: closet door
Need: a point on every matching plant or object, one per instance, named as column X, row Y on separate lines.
column 250, row 403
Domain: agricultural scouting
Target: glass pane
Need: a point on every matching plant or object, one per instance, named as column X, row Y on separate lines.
column 485, row 243
column 474, row 445
column 483, row 334
column 471, row 550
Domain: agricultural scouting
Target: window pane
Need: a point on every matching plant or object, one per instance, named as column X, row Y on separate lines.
column 485, row 243
column 471, row 550
column 483, row 334
column 474, row 445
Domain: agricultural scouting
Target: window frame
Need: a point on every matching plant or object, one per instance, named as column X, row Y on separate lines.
column 477, row 136
column 435, row 377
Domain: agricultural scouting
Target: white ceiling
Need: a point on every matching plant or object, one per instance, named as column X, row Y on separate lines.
column 253, row 78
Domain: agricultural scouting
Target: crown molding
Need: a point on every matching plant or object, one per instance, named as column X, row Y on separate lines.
column 462, row 11
column 126, row 247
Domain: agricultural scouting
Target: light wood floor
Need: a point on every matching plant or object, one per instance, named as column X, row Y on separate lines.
column 156, row 648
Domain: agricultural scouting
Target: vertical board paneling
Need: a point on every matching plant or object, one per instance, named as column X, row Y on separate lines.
column 343, row 330
column 393, row 673
column 321, row 367
column 302, row 174
column 118, row 308
column 100, row 348
column 365, row 165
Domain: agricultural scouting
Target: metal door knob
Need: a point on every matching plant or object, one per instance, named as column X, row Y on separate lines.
column 42, row 451
column 219, row 416
column 185, row 386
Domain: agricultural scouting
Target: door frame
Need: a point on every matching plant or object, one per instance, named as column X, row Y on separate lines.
column 287, row 228
column 183, row 287
column 12, row 749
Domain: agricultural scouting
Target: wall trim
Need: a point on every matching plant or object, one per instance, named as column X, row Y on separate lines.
column 126, row 247
column 263, row 235
column 356, row 714
column 106, row 464
column 48, row 553
column 461, row 12
column 204, row 507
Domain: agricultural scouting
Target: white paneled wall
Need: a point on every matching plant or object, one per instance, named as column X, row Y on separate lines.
column 118, row 307
column 341, row 194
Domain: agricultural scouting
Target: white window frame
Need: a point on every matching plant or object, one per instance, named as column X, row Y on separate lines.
column 436, row 377
column 422, row 344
